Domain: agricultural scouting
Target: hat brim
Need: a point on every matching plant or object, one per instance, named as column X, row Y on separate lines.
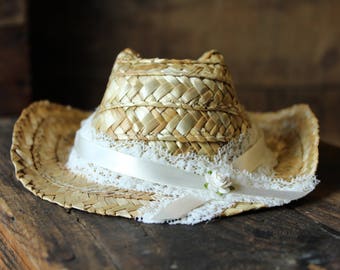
column 44, row 133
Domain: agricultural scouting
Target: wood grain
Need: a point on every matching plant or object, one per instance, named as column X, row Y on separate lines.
column 35, row 234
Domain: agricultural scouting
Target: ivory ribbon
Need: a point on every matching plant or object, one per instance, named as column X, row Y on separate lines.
column 124, row 164
column 255, row 156
column 178, row 208
column 151, row 171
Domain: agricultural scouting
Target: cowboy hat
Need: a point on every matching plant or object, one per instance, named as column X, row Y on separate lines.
column 169, row 142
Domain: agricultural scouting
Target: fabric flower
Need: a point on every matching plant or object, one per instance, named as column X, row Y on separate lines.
column 217, row 182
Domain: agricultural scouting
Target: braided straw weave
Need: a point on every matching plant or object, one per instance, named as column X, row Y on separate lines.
column 44, row 134
column 185, row 105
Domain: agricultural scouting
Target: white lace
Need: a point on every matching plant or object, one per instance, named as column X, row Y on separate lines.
column 199, row 164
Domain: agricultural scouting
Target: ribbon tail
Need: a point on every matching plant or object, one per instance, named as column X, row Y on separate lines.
column 178, row 208
column 286, row 195
column 254, row 157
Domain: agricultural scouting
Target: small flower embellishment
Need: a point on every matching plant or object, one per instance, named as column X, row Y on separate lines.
column 217, row 182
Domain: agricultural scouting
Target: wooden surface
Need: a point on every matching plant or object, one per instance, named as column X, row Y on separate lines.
column 14, row 63
column 35, row 234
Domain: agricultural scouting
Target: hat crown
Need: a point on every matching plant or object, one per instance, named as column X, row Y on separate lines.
column 170, row 100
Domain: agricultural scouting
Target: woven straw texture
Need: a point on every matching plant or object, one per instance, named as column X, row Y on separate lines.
column 184, row 105
column 44, row 133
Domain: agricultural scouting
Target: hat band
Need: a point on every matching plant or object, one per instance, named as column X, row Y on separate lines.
column 151, row 171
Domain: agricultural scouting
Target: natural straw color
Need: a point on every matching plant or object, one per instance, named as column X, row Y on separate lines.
column 44, row 133
column 185, row 105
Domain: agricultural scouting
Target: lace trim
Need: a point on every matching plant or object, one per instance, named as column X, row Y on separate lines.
column 263, row 177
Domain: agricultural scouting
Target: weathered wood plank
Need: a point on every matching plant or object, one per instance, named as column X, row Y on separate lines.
column 281, row 238
column 41, row 237
column 323, row 206
column 37, row 234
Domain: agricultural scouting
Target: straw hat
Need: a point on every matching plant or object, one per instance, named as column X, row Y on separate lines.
column 169, row 142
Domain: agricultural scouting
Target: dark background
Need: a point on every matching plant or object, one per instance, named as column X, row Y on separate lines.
column 279, row 52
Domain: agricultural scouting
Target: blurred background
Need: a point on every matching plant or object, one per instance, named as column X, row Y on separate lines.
column 279, row 52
